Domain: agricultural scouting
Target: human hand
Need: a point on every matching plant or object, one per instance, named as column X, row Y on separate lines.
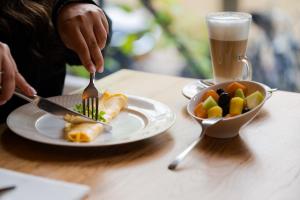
column 10, row 77
column 83, row 28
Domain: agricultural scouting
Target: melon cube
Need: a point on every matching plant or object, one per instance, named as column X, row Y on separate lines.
column 209, row 103
column 239, row 93
column 200, row 111
column 236, row 106
column 215, row 111
column 234, row 86
column 211, row 93
column 254, row 99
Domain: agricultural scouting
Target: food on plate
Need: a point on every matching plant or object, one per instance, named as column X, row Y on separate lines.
column 82, row 132
column 78, row 129
column 227, row 102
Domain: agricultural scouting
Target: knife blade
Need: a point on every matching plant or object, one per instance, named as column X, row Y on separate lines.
column 56, row 109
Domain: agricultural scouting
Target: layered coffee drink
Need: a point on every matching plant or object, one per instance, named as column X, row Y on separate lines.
column 228, row 34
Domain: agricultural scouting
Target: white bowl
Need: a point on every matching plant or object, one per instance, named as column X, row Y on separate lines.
column 230, row 127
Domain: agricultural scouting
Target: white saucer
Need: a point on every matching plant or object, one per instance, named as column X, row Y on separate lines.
column 194, row 87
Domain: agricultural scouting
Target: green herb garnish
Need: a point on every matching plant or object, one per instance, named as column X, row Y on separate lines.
column 78, row 108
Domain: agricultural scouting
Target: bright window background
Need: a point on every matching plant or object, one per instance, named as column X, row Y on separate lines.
column 170, row 37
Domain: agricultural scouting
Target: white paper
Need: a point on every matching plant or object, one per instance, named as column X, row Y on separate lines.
column 29, row 187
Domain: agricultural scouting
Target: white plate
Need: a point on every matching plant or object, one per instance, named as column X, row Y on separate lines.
column 144, row 118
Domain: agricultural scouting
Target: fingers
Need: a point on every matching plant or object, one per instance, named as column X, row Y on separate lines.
column 73, row 39
column 104, row 21
column 83, row 28
column 8, row 80
column 20, row 81
column 22, row 84
column 94, row 48
column 81, row 48
column 100, row 33
column 10, row 76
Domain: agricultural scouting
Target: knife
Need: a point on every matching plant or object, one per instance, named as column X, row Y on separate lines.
column 7, row 188
column 55, row 109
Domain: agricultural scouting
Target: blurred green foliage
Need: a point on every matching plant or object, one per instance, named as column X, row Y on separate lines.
column 179, row 31
column 78, row 70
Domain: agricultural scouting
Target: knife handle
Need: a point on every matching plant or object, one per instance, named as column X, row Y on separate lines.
column 19, row 93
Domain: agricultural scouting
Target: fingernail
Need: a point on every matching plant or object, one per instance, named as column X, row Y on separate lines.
column 2, row 102
column 92, row 69
column 101, row 69
column 32, row 91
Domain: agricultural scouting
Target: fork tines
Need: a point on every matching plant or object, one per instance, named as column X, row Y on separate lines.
column 90, row 98
column 90, row 107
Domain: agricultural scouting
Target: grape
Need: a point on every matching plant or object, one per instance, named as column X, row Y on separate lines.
column 220, row 91
column 246, row 109
column 224, row 99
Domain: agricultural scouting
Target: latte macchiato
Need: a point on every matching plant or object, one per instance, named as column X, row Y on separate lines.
column 228, row 34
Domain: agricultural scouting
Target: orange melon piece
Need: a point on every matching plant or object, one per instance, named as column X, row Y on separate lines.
column 200, row 111
column 231, row 88
column 211, row 93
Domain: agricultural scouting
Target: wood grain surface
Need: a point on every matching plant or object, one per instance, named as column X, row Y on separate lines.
column 262, row 163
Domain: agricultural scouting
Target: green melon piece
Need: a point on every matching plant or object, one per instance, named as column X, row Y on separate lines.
column 254, row 99
column 239, row 93
column 209, row 103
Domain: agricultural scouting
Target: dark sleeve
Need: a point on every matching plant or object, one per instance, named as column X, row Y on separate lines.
column 71, row 56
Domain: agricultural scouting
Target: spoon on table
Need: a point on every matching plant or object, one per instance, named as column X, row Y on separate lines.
column 205, row 124
column 205, row 83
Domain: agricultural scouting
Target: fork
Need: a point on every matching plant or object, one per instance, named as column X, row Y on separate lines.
column 205, row 124
column 90, row 99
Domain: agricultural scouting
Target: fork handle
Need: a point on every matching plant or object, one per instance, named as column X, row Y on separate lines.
column 92, row 77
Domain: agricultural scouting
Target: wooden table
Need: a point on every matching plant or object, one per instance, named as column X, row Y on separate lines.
column 262, row 163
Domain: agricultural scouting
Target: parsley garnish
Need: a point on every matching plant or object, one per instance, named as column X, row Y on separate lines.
column 78, row 108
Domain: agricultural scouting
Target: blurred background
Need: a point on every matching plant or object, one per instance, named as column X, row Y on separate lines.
column 170, row 37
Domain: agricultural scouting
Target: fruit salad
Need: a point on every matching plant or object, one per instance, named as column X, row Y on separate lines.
column 227, row 102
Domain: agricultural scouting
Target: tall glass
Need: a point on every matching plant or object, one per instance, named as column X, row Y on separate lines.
column 228, row 35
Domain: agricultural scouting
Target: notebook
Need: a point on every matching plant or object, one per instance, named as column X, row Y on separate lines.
column 29, row 187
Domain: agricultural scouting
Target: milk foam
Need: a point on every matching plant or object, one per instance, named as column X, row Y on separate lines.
column 228, row 28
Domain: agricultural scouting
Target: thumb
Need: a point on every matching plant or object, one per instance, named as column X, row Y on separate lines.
column 22, row 84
